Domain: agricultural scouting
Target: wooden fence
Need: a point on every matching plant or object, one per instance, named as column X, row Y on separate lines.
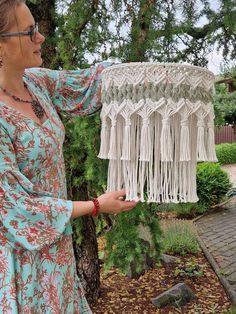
column 224, row 134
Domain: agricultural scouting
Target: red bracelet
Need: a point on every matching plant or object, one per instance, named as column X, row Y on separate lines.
column 96, row 207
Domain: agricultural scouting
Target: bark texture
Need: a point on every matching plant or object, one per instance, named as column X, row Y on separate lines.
column 87, row 259
column 44, row 14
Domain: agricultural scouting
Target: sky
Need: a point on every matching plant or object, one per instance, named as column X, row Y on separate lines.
column 215, row 60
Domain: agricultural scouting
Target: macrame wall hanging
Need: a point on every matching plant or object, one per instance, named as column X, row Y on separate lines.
column 157, row 123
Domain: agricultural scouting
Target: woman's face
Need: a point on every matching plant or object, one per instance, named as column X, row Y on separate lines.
column 17, row 52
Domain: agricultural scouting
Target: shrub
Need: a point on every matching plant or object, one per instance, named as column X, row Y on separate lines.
column 189, row 269
column 226, row 153
column 212, row 184
column 189, row 210
column 134, row 235
column 165, row 207
column 179, row 236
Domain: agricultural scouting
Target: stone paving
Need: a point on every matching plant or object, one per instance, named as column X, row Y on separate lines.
column 217, row 233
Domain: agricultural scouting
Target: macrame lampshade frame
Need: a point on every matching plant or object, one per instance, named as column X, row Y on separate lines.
column 157, row 123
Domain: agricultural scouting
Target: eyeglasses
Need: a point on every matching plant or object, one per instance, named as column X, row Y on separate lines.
column 32, row 33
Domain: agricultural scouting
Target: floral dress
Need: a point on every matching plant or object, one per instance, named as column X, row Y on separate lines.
column 37, row 265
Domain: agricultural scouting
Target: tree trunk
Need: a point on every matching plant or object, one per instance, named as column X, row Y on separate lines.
column 86, row 253
column 140, row 31
column 87, row 263
column 44, row 13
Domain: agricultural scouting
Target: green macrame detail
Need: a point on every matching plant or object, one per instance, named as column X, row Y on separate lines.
column 157, row 122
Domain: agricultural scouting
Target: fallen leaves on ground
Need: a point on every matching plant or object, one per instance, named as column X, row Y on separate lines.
column 121, row 295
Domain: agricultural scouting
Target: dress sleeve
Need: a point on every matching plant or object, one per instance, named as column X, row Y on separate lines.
column 27, row 219
column 77, row 93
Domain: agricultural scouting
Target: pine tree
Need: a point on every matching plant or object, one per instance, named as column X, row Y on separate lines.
column 44, row 13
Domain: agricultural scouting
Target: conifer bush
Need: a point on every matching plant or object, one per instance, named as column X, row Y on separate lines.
column 135, row 235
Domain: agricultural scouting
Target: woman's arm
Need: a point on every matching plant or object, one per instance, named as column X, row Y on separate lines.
column 109, row 203
column 72, row 92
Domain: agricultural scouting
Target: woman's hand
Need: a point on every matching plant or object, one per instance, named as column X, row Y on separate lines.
column 113, row 203
column 109, row 203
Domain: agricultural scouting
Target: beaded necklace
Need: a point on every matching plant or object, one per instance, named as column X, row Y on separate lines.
column 37, row 108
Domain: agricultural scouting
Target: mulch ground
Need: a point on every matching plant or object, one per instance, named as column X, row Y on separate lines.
column 121, row 295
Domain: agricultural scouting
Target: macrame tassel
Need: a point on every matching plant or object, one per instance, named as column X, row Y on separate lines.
column 201, row 151
column 135, row 144
column 211, row 154
column 156, row 161
column 150, row 174
column 166, row 141
column 126, row 175
column 113, row 145
column 118, row 161
column 192, row 193
column 183, row 182
column 142, row 179
column 165, row 177
column 175, row 182
column 112, row 176
column 127, row 141
column 184, row 141
column 175, row 165
column 145, row 143
column 104, row 148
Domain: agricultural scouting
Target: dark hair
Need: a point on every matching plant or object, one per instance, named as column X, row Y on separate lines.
column 7, row 10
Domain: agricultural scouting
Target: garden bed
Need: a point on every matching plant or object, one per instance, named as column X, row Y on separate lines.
column 121, row 295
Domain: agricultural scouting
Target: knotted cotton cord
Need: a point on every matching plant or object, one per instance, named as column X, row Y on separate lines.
column 157, row 122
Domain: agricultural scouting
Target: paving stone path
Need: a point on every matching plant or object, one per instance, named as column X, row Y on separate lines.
column 217, row 233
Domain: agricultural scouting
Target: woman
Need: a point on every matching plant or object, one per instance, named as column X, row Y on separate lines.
column 37, row 267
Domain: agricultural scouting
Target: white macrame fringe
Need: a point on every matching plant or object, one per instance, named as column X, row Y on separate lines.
column 126, row 151
column 112, row 154
column 105, row 138
column 211, row 153
column 201, row 150
column 166, row 143
column 145, row 143
column 157, row 122
column 184, row 142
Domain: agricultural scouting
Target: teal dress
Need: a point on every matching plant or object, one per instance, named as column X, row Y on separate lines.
column 37, row 265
